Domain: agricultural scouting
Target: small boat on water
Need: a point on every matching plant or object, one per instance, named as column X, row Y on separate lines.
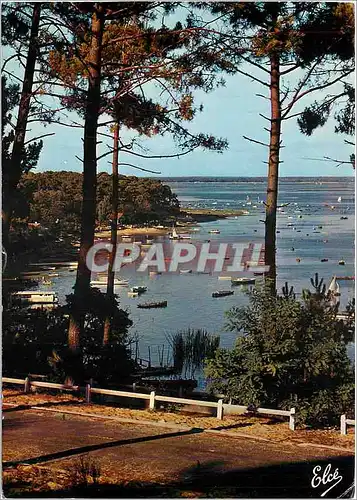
column 324, row 260
column 345, row 278
column 133, row 294
column 117, row 282
column 222, row 293
column 153, row 305
column 243, row 281
column 32, row 297
column 185, row 271
column 341, row 262
column 344, row 218
column 224, row 277
column 138, row 289
column 339, row 199
column 334, row 287
column 214, row 231
column 174, row 235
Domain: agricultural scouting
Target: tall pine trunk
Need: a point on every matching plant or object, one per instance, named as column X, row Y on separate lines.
column 273, row 170
column 82, row 286
column 114, row 234
column 14, row 175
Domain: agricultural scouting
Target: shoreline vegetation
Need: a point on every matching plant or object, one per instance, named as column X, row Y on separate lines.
column 187, row 218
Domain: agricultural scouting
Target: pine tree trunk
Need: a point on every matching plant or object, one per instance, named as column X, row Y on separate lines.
column 12, row 178
column 114, row 234
column 82, row 286
column 273, row 171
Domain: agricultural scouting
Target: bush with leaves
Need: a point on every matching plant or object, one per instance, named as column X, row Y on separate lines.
column 292, row 353
column 35, row 341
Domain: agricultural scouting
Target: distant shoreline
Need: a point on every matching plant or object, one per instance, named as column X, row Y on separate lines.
column 187, row 218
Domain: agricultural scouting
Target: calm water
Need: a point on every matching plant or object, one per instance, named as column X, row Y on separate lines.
column 190, row 304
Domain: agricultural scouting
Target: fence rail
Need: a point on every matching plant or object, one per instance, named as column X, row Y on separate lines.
column 344, row 422
column 153, row 398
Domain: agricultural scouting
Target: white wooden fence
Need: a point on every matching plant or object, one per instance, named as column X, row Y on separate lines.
column 344, row 422
column 152, row 398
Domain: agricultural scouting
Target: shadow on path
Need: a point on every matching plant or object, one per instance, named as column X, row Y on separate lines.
column 209, row 480
column 94, row 447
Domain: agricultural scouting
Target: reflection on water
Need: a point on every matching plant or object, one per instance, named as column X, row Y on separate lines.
column 315, row 232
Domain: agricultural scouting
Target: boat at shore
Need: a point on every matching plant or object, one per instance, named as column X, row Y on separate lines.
column 33, row 297
column 243, row 281
column 153, row 305
column 222, row 293
column 214, row 231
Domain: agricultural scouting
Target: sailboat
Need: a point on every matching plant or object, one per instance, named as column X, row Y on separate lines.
column 339, row 199
column 174, row 235
column 334, row 287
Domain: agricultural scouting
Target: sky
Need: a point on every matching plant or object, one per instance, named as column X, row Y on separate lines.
column 229, row 112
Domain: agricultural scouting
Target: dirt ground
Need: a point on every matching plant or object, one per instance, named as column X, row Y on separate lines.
column 48, row 454
column 260, row 427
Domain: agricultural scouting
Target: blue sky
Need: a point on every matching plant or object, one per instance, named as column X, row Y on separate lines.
column 229, row 112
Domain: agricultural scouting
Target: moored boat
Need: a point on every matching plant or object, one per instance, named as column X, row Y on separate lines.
column 243, row 281
column 33, row 297
column 117, row 282
column 214, row 231
column 153, row 305
column 222, row 293
column 334, row 287
column 138, row 289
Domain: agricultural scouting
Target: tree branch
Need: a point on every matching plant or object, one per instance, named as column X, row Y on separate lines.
column 256, row 142
column 38, row 137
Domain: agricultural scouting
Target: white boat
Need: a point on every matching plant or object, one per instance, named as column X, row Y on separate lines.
column 117, row 282
column 184, row 237
column 174, row 235
column 243, row 281
column 40, row 297
column 138, row 289
column 339, row 199
column 133, row 294
column 224, row 277
column 185, row 271
column 334, row 287
column 214, row 231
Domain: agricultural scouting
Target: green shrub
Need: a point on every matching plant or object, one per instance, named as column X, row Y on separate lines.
column 291, row 353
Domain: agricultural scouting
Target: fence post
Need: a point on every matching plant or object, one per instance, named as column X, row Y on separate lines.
column 152, row 400
column 88, row 393
column 343, row 425
column 292, row 419
column 27, row 386
column 220, row 409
